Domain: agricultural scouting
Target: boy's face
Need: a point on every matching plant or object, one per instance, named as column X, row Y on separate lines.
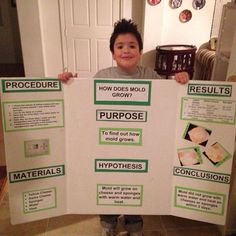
column 126, row 52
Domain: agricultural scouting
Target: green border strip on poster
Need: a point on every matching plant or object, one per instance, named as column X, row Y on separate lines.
column 200, row 191
column 120, row 143
column 123, row 170
column 128, row 205
column 206, row 120
column 106, row 102
column 187, row 127
column 32, row 101
column 39, row 170
column 30, row 85
column 212, row 94
column 196, row 149
column 53, row 206
column 36, row 155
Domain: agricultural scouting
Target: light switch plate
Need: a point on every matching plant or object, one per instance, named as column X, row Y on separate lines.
column 37, row 147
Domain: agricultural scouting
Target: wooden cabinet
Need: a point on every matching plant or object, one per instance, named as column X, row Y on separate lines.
column 225, row 61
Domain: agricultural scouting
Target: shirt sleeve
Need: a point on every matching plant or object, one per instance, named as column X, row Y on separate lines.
column 97, row 75
column 156, row 76
column 150, row 73
column 104, row 73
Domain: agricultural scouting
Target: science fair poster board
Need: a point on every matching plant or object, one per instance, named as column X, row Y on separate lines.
column 113, row 146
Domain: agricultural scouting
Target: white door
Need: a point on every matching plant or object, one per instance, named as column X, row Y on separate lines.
column 88, row 27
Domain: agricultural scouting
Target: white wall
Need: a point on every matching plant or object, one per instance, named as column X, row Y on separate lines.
column 152, row 32
column 195, row 32
column 162, row 26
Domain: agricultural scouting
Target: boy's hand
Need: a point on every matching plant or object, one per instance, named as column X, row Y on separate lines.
column 182, row 77
column 66, row 76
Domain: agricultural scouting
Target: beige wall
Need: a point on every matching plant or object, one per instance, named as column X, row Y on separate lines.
column 29, row 23
column 162, row 26
column 40, row 24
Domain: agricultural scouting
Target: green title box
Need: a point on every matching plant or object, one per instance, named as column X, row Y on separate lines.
column 121, row 115
column 121, row 165
column 216, row 90
column 211, row 176
column 31, row 85
column 122, row 96
column 36, row 173
column 199, row 200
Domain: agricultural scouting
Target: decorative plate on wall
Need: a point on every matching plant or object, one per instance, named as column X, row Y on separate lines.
column 198, row 4
column 175, row 3
column 153, row 2
column 185, row 16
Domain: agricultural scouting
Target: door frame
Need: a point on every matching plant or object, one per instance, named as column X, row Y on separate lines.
column 125, row 12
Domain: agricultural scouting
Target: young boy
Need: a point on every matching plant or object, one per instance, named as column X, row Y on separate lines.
column 126, row 47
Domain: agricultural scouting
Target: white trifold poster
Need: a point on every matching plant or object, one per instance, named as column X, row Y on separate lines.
column 114, row 146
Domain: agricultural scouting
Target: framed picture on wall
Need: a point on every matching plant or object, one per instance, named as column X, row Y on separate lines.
column 185, row 16
column 198, row 4
column 175, row 3
column 153, row 2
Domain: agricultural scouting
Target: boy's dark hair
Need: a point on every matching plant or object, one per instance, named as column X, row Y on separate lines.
column 124, row 26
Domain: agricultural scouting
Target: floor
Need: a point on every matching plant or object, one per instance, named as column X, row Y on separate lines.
column 88, row 225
